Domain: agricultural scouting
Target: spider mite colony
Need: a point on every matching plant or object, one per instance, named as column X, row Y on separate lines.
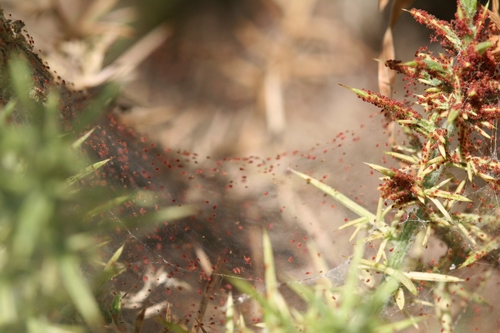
column 180, row 231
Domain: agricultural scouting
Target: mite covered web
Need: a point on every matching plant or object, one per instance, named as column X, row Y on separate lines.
column 179, row 269
column 481, row 279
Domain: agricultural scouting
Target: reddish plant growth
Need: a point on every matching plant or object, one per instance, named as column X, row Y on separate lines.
column 453, row 138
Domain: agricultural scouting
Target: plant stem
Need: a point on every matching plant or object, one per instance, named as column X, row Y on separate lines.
column 403, row 243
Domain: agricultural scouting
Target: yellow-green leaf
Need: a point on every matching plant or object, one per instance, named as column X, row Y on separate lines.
column 481, row 252
column 345, row 201
column 423, row 276
column 398, row 275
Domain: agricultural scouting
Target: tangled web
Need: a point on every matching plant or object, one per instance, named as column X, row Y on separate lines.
column 179, row 270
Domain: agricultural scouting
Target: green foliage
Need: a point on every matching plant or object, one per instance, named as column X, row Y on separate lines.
column 467, row 9
column 348, row 308
column 45, row 235
column 51, row 226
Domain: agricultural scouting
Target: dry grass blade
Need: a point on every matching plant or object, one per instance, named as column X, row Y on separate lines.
column 385, row 75
column 494, row 16
column 130, row 59
column 200, row 325
column 209, row 289
column 144, row 47
column 382, row 4
column 139, row 321
column 273, row 92
column 97, row 9
column 396, row 10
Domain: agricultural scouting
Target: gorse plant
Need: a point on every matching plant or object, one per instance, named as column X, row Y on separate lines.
column 54, row 220
column 46, row 234
column 448, row 145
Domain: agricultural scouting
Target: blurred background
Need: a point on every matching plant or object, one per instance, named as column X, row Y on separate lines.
column 224, row 77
